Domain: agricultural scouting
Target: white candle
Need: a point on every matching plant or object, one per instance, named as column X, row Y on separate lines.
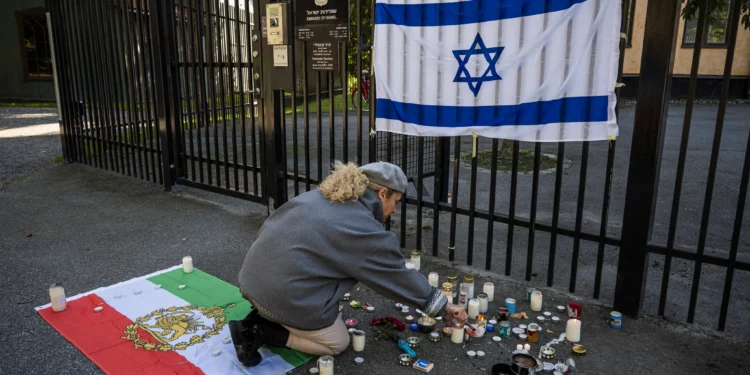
column 519, row 347
column 573, row 330
column 57, row 297
column 482, row 303
column 325, row 365
column 187, row 264
column 409, row 265
column 457, row 334
column 489, row 290
column 433, row 279
column 358, row 341
column 526, row 347
column 536, row 301
column 416, row 258
column 473, row 308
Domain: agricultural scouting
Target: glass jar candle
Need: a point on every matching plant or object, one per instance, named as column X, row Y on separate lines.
column 454, row 281
column 416, row 259
column 473, row 308
column 536, row 301
column 483, row 302
column 457, row 333
column 57, row 297
column 358, row 340
column 448, row 291
column 325, row 365
column 469, row 282
column 432, row 278
column 187, row 264
column 489, row 290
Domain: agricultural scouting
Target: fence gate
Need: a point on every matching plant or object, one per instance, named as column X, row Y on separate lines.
column 190, row 92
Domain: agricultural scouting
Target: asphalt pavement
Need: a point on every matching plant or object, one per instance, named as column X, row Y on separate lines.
column 89, row 228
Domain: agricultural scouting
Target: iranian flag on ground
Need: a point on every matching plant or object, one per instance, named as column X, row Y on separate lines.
column 150, row 325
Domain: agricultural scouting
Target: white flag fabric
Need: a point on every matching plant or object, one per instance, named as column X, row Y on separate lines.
column 528, row 70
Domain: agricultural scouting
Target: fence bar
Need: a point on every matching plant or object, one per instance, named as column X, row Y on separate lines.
column 359, row 82
column 146, row 84
column 96, row 76
column 79, row 111
column 230, row 83
column 136, row 75
column 306, row 114
column 214, row 92
column 187, row 97
column 115, row 65
column 735, row 237
column 204, row 89
column 95, row 93
column 198, row 78
column 388, row 157
column 579, row 215
column 420, row 187
column 141, row 69
column 57, row 73
column 702, row 6
column 454, row 198
column 404, row 142
column 437, row 192
column 331, row 122
column 643, row 176
column 60, row 31
column 319, row 118
column 532, row 216
column 555, row 213
column 345, row 109
column 162, row 79
column 223, row 91
column 472, row 203
column 91, row 103
column 211, row 92
column 373, row 102
column 731, row 39
column 512, row 208
column 106, row 73
column 104, row 109
column 123, row 31
column 246, row 95
column 605, row 213
column 491, row 210
column 295, row 153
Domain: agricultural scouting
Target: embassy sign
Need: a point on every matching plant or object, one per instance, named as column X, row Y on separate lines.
column 322, row 24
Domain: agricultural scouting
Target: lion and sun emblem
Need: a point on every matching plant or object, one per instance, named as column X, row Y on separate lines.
column 177, row 328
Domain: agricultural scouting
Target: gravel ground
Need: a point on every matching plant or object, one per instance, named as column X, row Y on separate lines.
column 29, row 142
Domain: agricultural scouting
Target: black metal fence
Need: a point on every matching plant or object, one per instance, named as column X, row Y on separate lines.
column 176, row 90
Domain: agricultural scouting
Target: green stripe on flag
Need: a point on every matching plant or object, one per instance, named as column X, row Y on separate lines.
column 292, row 357
column 203, row 289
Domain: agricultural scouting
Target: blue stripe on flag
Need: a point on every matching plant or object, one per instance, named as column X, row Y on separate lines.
column 464, row 12
column 577, row 109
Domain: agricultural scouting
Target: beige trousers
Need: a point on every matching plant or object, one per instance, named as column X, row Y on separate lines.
column 331, row 340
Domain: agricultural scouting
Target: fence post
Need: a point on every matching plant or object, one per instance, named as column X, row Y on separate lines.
column 662, row 20
column 271, row 98
column 161, row 42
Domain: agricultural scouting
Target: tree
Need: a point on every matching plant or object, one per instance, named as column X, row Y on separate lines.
column 715, row 9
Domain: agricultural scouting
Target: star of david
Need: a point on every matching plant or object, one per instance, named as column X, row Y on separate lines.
column 477, row 48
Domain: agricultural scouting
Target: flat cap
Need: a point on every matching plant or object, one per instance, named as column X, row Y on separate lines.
column 386, row 174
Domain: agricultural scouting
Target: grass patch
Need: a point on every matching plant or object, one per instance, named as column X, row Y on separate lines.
column 525, row 161
column 290, row 149
column 29, row 104
column 58, row 159
column 325, row 106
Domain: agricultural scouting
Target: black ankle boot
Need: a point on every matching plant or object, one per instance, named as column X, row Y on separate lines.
column 247, row 340
column 273, row 334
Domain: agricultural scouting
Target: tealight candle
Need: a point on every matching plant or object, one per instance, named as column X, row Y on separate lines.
column 489, row 290
column 573, row 330
column 519, row 347
column 187, row 264
column 410, row 265
column 526, row 347
column 536, row 301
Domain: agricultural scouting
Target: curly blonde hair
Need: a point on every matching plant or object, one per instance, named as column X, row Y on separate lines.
column 346, row 183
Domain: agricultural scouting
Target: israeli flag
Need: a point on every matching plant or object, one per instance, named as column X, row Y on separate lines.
column 528, row 70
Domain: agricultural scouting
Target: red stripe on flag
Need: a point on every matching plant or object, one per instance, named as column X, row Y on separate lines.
column 99, row 336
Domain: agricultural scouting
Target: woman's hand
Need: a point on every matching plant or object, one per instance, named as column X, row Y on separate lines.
column 457, row 313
